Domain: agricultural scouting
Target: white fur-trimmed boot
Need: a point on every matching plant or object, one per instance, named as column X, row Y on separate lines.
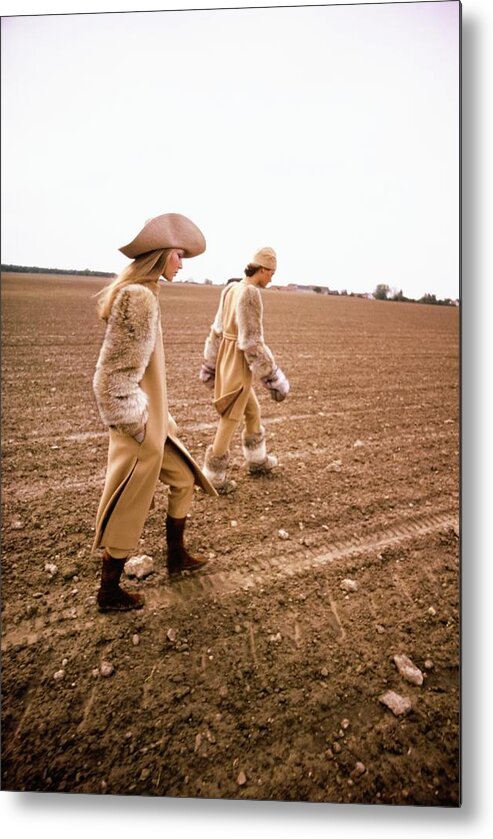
column 255, row 453
column 214, row 469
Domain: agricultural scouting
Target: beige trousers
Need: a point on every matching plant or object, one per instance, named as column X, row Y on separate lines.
column 227, row 427
column 177, row 474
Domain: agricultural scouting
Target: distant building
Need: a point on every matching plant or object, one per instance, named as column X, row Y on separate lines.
column 322, row 289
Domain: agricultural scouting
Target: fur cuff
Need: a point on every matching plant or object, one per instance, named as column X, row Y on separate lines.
column 129, row 341
column 215, row 466
column 211, row 348
column 254, row 449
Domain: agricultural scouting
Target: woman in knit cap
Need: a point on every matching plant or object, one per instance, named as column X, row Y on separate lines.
column 130, row 389
column 234, row 353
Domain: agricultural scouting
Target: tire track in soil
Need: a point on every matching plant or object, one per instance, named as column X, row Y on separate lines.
column 227, row 583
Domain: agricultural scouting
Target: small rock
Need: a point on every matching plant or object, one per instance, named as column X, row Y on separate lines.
column 171, row 635
column 429, row 664
column 275, row 639
column 396, row 703
column 335, row 466
column 360, row 768
column 135, row 640
column 408, row 670
column 283, row 534
column 64, row 662
column 324, row 672
column 223, row 691
column 69, row 572
column 349, row 585
column 432, row 611
column 106, row 669
column 59, row 675
column 358, row 444
column 380, row 629
column 336, row 748
column 95, row 672
column 51, row 568
column 234, row 523
column 139, row 566
column 241, row 779
column 345, row 724
column 16, row 524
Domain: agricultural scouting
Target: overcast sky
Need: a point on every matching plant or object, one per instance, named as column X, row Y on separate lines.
column 330, row 133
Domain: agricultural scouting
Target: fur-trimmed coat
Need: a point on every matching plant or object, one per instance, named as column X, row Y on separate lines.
column 130, row 389
column 235, row 347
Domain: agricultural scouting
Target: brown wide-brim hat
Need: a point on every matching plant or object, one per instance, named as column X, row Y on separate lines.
column 171, row 230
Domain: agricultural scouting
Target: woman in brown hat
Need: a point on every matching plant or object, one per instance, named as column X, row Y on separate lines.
column 234, row 353
column 130, row 389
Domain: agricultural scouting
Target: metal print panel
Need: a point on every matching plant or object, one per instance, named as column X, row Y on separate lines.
column 257, row 597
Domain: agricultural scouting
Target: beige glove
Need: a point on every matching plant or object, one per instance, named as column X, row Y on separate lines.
column 207, row 375
column 277, row 383
column 140, row 435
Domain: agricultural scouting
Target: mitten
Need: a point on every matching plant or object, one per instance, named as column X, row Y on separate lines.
column 207, row 375
column 140, row 435
column 277, row 384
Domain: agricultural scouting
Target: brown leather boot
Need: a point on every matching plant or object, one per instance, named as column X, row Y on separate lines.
column 179, row 559
column 112, row 598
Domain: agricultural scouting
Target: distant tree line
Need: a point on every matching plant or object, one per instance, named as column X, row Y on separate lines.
column 24, row 269
column 383, row 292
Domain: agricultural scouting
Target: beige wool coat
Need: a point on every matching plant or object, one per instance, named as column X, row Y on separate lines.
column 236, row 348
column 130, row 389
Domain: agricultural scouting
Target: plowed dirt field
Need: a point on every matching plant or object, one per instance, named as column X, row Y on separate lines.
column 262, row 678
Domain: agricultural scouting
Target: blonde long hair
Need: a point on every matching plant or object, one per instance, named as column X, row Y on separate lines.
column 145, row 268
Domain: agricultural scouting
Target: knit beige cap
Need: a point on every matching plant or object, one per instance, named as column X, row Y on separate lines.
column 266, row 258
column 170, row 230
